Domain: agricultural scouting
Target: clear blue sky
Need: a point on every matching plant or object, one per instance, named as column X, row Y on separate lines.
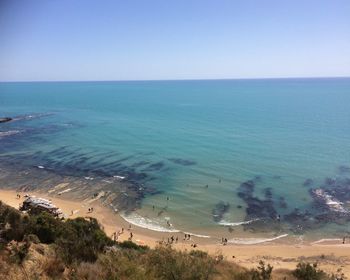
column 180, row 39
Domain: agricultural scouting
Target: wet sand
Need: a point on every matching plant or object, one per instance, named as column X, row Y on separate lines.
column 330, row 254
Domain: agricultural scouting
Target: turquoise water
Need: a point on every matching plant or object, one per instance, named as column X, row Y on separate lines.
column 194, row 142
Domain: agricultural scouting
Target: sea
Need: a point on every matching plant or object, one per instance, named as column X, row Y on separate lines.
column 250, row 159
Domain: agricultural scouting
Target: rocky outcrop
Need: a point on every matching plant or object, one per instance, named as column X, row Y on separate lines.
column 3, row 120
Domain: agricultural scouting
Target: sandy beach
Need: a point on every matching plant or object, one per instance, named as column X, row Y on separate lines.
column 330, row 255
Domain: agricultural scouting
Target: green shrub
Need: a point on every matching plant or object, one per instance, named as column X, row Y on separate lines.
column 262, row 272
column 82, row 240
column 12, row 223
column 19, row 252
column 339, row 275
column 45, row 226
column 54, row 267
column 76, row 240
column 306, row 271
column 166, row 263
column 132, row 245
column 198, row 254
column 121, row 264
column 31, row 238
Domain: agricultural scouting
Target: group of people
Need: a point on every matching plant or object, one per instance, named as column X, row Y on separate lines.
column 174, row 240
column 187, row 236
column 224, row 241
column 171, row 240
column 91, row 209
column 131, row 234
column 118, row 233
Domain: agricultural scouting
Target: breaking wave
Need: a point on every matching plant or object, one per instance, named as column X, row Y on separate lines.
column 155, row 225
column 137, row 220
column 326, row 240
column 8, row 133
column 225, row 223
column 252, row 241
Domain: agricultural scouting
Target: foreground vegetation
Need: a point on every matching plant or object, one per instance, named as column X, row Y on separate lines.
column 38, row 246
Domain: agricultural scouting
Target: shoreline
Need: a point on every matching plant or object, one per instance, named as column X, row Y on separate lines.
column 331, row 254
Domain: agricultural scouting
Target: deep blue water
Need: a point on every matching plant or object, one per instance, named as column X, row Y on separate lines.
column 195, row 141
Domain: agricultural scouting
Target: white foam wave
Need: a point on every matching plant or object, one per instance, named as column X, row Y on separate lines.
column 9, row 133
column 225, row 223
column 147, row 223
column 155, row 225
column 252, row 241
column 198, row 235
column 30, row 117
column 326, row 240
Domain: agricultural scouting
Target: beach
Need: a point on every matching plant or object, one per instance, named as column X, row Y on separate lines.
column 329, row 254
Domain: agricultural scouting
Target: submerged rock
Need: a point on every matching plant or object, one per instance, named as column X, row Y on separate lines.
column 344, row 169
column 330, row 202
column 329, row 181
column 300, row 220
column 246, row 189
column 256, row 207
column 282, row 203
column 154, row 167
column 219, row 210
column 308, row 182
column 268, row 193
column 185, row 162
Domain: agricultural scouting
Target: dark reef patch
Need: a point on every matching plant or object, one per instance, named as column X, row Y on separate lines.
column 180, row 161
column 268, row 193
column 87, row 172
column 140, row 163
column 256, row 208
column 154, row 167
column 219, row 211
column 344, row 169
column 308, row 182
column 282, row 203
column 257, row 178
column 329, row 205
column 300, row 221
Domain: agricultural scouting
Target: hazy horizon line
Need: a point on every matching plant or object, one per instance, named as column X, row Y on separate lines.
column 169, row 80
